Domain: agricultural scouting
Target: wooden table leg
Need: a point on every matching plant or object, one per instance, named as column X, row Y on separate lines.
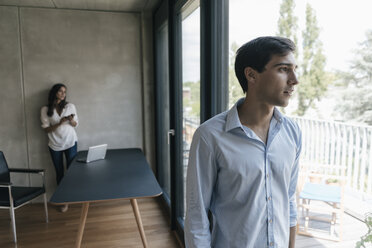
column 139, row 221
column 83, row 218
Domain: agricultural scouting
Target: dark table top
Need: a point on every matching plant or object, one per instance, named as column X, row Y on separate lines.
column 123, row 174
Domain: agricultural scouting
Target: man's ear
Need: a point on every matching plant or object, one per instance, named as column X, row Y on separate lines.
column 250, row 74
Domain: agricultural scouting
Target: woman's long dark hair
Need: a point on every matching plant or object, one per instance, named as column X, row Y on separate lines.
column 52, row 97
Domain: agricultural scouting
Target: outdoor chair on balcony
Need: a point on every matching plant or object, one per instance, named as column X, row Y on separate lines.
column 13, row 197
column 328, row 189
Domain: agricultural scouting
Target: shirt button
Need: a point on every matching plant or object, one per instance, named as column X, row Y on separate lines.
column 267, row 175
column 270, row 221
column 271, row 243
column 269, row 198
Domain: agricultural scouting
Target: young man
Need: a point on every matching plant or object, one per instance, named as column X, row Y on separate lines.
column 243, row 164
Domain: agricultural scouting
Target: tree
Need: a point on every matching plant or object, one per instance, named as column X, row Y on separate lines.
column 191, row 100
column 312, row 74
column 235, row 90
column 356, row 101
column 368, row 237
column 287, row 23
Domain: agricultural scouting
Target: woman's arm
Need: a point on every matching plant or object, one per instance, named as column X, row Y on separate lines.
column 73, row 123
column 52, row 128
column 71, row 119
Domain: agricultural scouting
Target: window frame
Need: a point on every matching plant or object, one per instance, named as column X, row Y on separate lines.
column 213, row 82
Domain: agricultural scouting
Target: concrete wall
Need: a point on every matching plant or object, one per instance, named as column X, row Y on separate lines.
column 101, row 58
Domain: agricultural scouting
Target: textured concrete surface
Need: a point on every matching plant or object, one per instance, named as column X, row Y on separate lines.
column 107, row 5
column 98, row 55
column 12, row 125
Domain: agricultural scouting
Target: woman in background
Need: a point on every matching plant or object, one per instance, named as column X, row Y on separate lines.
column 59, row 119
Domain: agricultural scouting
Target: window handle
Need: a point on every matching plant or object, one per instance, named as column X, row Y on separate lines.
column 170, row 132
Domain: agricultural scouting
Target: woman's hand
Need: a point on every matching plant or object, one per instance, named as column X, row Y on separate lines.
column 52, row 128
column 71, row 119
column 63, row 119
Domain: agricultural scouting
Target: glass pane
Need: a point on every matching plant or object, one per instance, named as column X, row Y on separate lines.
column 162, row 79
column 243, row 27
column 190, row 83
column 332, row 101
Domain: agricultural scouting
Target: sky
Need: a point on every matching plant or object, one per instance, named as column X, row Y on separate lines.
column 191, row 47
column 343, row 25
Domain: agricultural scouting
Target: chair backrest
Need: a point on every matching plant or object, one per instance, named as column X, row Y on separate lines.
column 4, row 170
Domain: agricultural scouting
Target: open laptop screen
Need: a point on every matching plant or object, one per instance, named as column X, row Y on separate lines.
column 94, row 153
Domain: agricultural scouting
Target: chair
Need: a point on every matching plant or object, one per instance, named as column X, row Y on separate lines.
column 310, row 193
column 13, row 197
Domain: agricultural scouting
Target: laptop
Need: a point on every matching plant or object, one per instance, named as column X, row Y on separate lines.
column 94, row 153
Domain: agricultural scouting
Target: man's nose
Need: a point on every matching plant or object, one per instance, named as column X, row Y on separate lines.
column 293, row 78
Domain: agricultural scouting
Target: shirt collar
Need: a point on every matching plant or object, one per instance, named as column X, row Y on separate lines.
column 278, row 115
column 233, row 121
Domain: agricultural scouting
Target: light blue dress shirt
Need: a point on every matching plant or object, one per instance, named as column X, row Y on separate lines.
column 248, row 186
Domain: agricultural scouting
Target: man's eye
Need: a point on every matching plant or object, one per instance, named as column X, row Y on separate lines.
column 283, row 69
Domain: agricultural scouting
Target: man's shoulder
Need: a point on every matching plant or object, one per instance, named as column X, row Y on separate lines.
column 214, row 125
column 292, row 127
column 290, row 122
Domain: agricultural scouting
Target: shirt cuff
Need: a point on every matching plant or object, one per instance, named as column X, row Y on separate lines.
column 293, row 221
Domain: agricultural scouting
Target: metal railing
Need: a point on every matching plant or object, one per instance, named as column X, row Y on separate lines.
column 346, row 150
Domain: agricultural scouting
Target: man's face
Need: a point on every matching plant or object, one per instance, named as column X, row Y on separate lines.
column 275, row 85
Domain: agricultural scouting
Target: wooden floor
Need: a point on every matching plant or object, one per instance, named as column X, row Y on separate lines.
column 110, row 224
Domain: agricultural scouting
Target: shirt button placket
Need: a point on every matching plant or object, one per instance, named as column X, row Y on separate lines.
column 269, row 202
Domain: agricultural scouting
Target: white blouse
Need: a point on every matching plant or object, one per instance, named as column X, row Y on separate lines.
column 64, row 136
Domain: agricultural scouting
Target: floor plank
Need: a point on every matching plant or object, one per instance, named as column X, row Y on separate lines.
column 110, row 224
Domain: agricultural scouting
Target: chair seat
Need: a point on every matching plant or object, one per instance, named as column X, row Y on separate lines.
column 20, row 195
column 321, row 192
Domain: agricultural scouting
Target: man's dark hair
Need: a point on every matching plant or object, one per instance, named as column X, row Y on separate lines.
column 257, row 53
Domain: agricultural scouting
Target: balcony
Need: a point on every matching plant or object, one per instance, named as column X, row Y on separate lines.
column 344, row 150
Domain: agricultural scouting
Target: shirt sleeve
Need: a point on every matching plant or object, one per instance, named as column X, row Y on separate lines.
column 73, row 111
column 293, row 184
column 44, row 117
column 201, row 177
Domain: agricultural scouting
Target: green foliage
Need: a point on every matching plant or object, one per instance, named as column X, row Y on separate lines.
column 311, row 73
column 314, row 80
column 235, row 90
column 192, row 101
column 313, row 83
column 356, row 101
column 332, row 180
column 287, row 23
column 368, row 237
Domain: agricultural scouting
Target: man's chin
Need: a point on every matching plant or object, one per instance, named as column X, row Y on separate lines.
column 282, row 104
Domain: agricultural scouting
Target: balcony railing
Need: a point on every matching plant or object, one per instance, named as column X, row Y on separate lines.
column 345, row 149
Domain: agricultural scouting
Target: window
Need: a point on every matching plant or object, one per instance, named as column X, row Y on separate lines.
column 332, row 102
column 190, row 82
